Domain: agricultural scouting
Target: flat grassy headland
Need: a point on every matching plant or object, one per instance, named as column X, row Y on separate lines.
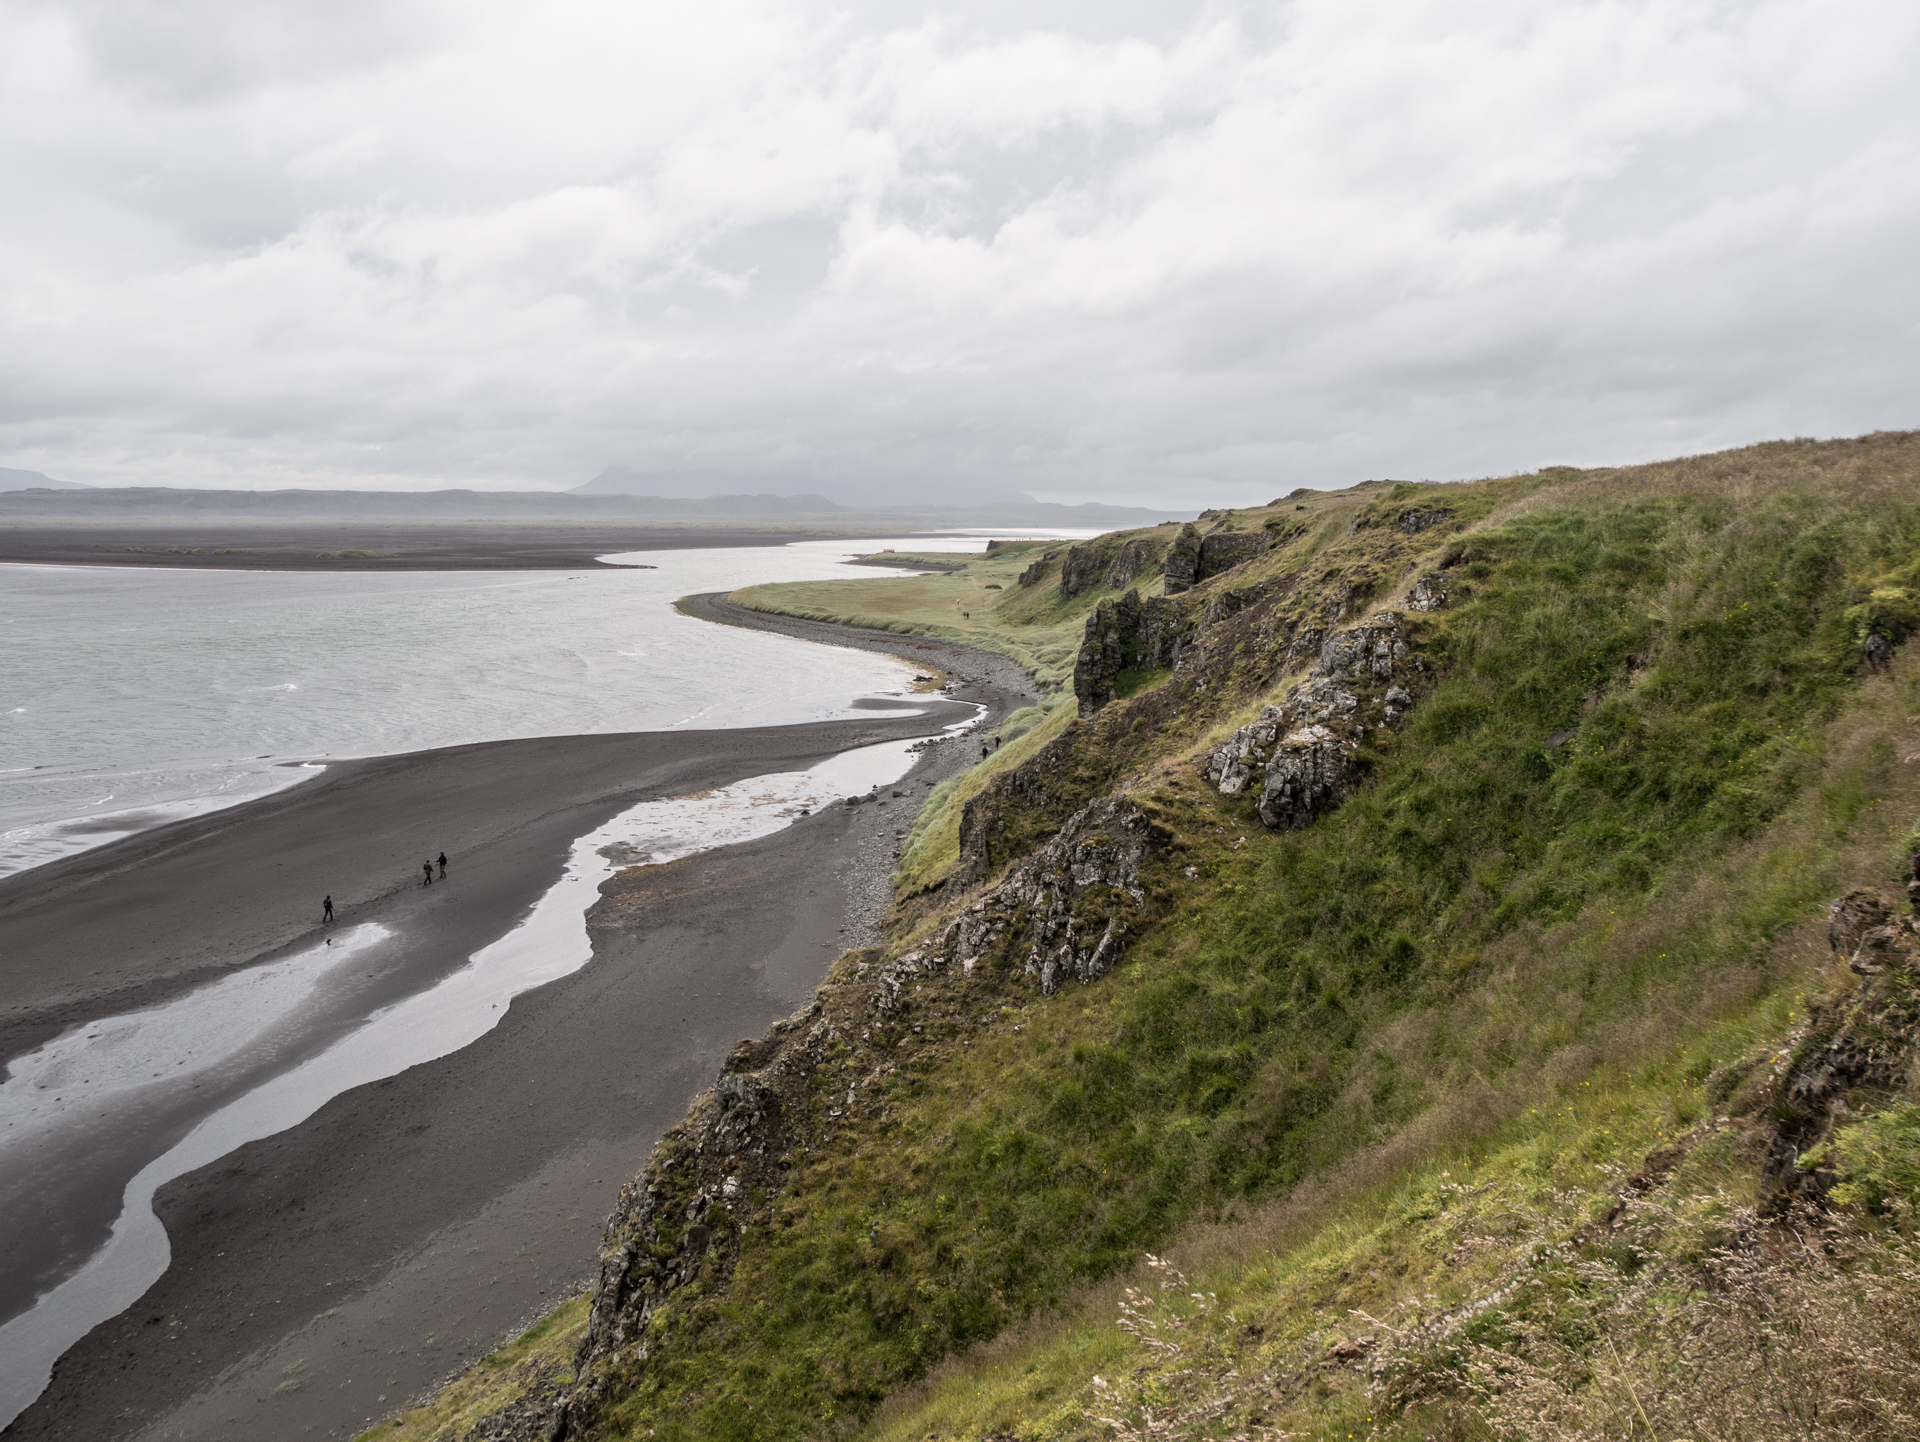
column 1477, row 1050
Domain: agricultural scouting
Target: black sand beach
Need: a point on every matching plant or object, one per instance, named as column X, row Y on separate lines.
column 355, row 1260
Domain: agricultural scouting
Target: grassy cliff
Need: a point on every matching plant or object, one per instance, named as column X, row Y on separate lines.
column 1453, row 1107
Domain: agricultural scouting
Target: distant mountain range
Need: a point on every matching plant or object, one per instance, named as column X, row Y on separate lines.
column 697, row 485
column 33, row 480
column 692, row 486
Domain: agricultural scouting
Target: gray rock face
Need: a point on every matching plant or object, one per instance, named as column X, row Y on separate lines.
column 1129, row 562
column 1429, row 593
column 1098, row 853
column 1875, row 1048
column 1132, row 633
column 1301, row 749
column 1852, row 917
column 1245, row 756
column 1081, row 569
column 1881, row 946
column 1224, row 550
column 1109, row 647
column 1414, row 521
column 1194, row 557
column 1308, row 776
column 1364, row 652
column 1183, row 560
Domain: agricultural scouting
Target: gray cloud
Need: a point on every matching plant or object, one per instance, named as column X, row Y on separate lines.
column 1165, row 253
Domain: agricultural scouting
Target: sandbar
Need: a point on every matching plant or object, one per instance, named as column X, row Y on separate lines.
column 413, row 1223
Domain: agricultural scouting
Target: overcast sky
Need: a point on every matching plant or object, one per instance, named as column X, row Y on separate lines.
column 1170, row 253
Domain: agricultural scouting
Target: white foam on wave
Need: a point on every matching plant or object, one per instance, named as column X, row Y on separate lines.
column 551, row 943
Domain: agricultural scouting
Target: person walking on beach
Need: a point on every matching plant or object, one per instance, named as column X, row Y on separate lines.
column 443, row 866
column 427, row 866
column 326, row 911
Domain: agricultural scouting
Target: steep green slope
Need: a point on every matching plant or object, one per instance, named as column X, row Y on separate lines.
column 1547, row 899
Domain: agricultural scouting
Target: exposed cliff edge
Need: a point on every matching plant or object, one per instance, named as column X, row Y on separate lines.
column 1410, row 906
column 1061, row 915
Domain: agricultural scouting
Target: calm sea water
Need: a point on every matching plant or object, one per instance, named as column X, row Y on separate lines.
column 130, row 697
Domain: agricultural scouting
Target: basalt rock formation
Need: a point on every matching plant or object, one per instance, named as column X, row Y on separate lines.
column 1081, row 569
column 1069, row 904
column 1409, row 520
column 1429, row 593
column 1856, row 1053
column 1098, row 564
column 1303, row 748
column 1220, row 644
column 1152, row 633
column 1194, row 557
column 1183, row 560
column 1223, row 550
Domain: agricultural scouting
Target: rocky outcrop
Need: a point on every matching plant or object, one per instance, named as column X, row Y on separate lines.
column 1081, row 569
column 676, row 1230
column 1856, row 1053
column 1223, row 550
column 1109, row 646
column 680, row 1222
column 1302, row 749
column 1067, row 907
column 1152, row 633
column 1852, row 917
column 1408, row 520
column 1183, row 560
column 1416, row 519
column 1428, row 593
column 1194, row 558
column 1130, row 562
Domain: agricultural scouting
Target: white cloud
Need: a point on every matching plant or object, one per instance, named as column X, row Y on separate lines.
column 1151, row 250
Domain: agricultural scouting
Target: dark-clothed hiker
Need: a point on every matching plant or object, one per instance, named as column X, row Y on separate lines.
column 443, row 866
column 326, row 910
column 427, row 866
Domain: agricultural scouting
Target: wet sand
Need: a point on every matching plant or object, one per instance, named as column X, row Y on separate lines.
column 413, row 1223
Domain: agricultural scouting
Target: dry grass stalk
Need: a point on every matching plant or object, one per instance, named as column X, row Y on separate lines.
column 1188, row 1386
column 1807, row 1329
